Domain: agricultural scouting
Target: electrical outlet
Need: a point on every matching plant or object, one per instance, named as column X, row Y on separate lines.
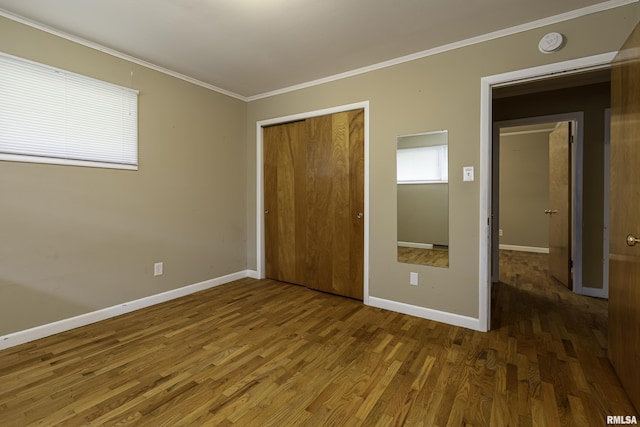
column 500, row 232
column 158, row 269
column 413, row 279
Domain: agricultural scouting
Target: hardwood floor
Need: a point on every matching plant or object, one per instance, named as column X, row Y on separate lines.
column 438, row 257
column 266, row 353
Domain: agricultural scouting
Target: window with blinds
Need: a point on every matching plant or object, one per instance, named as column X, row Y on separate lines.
column 423, row 165
column 48, row 115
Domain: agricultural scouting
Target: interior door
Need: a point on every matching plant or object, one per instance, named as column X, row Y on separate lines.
column 559, row 211
column 624, row 253
column 314, row 202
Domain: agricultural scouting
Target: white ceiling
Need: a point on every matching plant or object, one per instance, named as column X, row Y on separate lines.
column 254, row 47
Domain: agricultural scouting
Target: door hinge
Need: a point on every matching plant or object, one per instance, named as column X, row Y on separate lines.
column 571, row 139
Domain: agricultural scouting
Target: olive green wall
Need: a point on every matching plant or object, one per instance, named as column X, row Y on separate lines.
column 78, row 239
column 436, row 92
column 524, row 189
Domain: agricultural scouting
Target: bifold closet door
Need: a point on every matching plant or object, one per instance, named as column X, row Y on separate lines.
column 314, row 202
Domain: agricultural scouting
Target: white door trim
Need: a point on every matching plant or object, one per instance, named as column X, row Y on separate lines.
column 486, row 127
column 260, row 255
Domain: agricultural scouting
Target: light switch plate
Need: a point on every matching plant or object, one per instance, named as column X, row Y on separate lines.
column 467, row 173
column 158, row 268
column 413, row 279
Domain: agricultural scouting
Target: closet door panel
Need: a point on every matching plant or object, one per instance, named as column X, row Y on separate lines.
column 284, row 201
column 336, row 205
column 314, row 193
column 356, row 202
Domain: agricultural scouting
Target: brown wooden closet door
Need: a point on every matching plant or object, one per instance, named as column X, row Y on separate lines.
column 314, row 193
column 335, row 184
column 285, row 202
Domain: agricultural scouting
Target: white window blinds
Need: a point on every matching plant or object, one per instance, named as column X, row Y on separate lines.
column 48, row 115
column 420, row 165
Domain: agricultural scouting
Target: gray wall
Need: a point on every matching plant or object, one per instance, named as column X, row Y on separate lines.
column 524, row 189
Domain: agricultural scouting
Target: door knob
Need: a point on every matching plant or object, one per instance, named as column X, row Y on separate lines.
column 359, row 215
column 550, row 211
column 631, row 241
column 266, row 211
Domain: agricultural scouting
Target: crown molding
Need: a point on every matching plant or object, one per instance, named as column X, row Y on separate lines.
column 600, row 7
column 115, row 53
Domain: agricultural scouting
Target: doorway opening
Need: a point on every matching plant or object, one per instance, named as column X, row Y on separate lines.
column 562, row 76
column 537, row 192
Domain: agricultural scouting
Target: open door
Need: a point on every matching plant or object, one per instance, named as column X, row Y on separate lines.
column 624, row 253
column 559, row 211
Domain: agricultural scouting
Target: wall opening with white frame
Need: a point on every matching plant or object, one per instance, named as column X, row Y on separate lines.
column 487, row 84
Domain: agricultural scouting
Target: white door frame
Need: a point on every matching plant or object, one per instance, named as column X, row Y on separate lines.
column 260, row 255
column 486, row 129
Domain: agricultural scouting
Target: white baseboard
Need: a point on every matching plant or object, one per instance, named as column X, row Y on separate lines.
column 426, row 313
column 416, row 245
column 42, row 331
column 525, row 249
column 593, row 292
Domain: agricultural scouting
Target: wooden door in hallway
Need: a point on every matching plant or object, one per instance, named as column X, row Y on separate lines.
column 559, row 212
column 314, row 202
column 624, row 254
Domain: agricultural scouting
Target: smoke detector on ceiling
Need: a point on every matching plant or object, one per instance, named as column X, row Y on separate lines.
column 551, row 42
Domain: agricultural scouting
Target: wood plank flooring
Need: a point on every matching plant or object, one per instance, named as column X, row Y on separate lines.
column 438, row 257
column 260, row 353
